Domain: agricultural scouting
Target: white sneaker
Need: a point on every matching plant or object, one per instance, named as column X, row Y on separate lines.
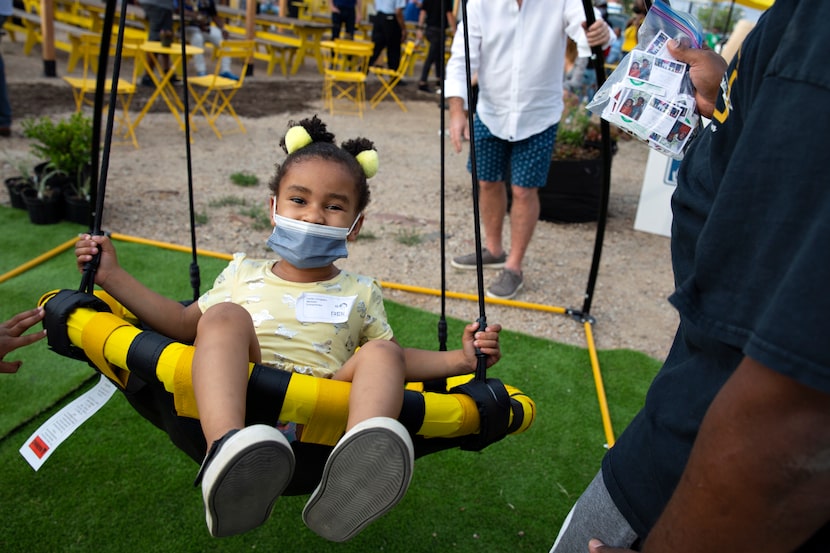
column 367, row 473
column 242, row 476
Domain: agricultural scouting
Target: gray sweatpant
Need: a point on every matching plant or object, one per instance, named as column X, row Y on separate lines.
column 593, row 516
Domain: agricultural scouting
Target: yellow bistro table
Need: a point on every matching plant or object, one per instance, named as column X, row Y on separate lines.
column 163, row 81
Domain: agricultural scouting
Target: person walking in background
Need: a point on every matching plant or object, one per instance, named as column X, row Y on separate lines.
column 12, row 337
column 343, row 14
column 159, row 15
column 730, row 450
column 517, row 51
column 388, row 32
column 203, row 21
column 411, row 11
column 431, row 26
column 5, row 106
column 633, row 27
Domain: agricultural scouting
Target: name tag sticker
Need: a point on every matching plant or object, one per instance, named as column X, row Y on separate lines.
column 322, row 308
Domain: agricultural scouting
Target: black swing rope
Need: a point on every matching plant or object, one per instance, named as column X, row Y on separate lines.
column 99, row 181
column 442, row 320
column 490, row 395
column 583, row 315
column 481, row 367
column 492, row 399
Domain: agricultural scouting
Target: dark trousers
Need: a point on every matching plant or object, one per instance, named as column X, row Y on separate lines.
column 5, row 106
column 435, row 38
column 338, row 19
column 386, row 33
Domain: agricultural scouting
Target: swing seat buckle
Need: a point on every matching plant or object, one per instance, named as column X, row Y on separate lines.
column 494, row 410
column 59, row 305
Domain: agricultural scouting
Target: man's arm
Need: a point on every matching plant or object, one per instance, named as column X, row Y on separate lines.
column 758, row 474
column 401, row 22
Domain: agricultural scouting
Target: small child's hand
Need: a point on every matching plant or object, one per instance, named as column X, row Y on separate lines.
column 12, row 337
column 486, row 341
column 87, row 247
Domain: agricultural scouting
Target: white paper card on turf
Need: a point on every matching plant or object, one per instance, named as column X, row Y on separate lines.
column 62, row 424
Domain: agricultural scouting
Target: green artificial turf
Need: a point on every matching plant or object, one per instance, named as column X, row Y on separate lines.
column 118, row 484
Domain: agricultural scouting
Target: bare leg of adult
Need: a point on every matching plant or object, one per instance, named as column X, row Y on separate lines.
column 524, row 213
column 493, row 206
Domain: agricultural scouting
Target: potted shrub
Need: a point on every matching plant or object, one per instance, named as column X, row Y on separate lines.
column 44, row 200
column 66, row 146
column 16, row 184
column 574, row 184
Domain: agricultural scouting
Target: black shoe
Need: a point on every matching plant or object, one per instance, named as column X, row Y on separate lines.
column 424, row 87
column 5, row 131
column 147, row 81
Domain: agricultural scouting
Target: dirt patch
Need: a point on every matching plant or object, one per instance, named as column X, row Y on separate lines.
column 256, row 98
column 400, row 241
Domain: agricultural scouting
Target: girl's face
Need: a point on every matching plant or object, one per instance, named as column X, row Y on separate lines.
column 321, row 192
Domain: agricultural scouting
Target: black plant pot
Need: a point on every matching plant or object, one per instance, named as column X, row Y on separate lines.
column 77, row 209
column 55, row 180
column 15, row 187
column 573, row 191
column 44, row 211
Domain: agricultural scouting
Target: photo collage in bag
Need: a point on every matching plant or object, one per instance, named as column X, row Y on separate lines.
column 650, row 102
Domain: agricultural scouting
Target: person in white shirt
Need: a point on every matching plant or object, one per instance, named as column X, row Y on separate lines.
column 517, row 53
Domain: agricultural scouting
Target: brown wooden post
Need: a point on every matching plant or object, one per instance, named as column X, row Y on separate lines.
column 47, row 31
column 250, row 28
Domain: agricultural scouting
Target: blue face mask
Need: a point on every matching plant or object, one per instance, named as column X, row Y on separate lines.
column 307, row 245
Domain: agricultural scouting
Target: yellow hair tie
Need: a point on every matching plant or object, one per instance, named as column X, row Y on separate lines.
column 368, row 159
column 297, row 137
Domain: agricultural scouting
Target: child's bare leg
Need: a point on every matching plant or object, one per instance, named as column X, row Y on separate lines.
column 225, row 343
column 244, row 471
column 370, row 468
column 377, row 374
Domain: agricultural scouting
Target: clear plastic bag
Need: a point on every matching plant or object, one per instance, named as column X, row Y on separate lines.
column 650, row 95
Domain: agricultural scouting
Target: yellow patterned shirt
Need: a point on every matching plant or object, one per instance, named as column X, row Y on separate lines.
column 309, row 328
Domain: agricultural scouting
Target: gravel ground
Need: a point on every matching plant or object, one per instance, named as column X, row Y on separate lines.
column 401, row 240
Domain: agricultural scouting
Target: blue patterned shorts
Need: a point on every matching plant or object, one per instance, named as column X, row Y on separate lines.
column 529, row 158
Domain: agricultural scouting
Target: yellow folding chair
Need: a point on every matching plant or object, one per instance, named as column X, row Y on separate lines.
column 389, row 78
column 83, row 87
column 345, row 64
column 213, row 93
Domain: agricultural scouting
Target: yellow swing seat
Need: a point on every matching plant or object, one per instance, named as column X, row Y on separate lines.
column 153, row 372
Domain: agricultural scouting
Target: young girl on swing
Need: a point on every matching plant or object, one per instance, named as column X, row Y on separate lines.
column 300, row 313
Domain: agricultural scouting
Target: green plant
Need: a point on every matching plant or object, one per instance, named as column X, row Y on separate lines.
column 225, row 201
column 260, row 218
column 243, row 178
column 409, row 237
column 578, row 135
column 66, row 145
column 366, row 235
